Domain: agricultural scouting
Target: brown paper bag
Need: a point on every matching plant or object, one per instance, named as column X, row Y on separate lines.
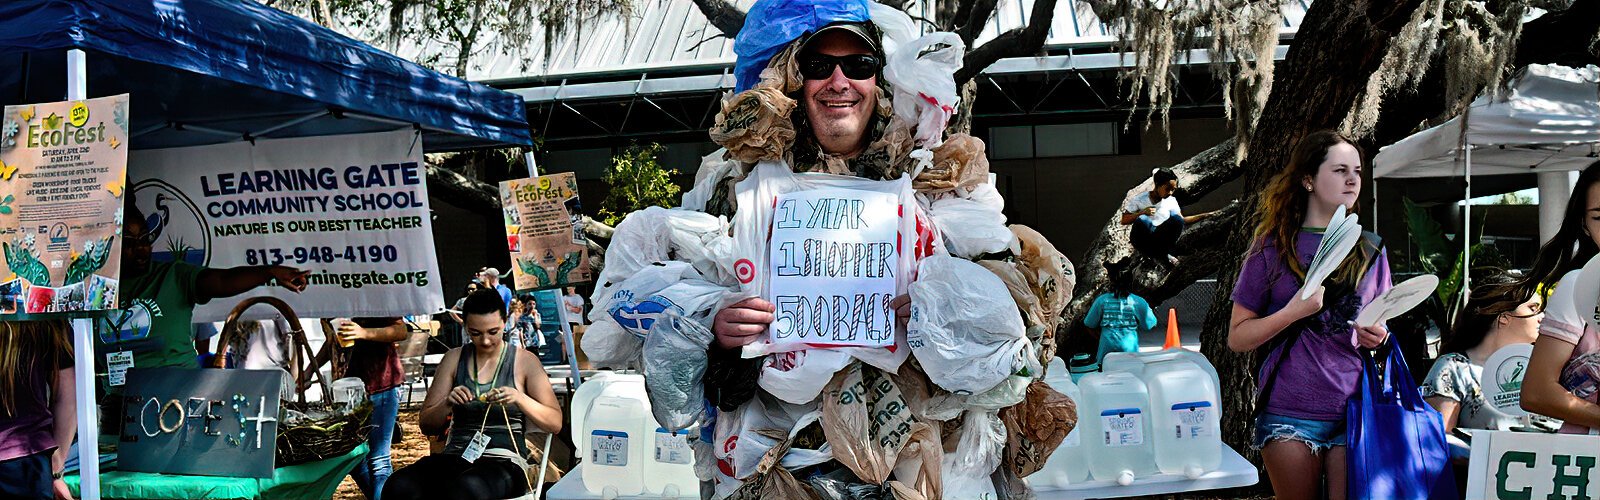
column 866, row 420
column 1017, row 284
column 1036, row 427
column 957, row 163
column 770, row 480
column 1051, row 277
column 928, row 402
column 754, row 125
column 917, row 475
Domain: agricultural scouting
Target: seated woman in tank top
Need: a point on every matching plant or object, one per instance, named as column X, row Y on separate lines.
column 493, row 395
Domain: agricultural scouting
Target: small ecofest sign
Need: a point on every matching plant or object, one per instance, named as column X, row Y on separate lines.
column 544, row 232
column 62, row 168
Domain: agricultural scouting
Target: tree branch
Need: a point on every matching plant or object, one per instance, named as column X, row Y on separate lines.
column 1018, row 42
column 1201, row 175
column 1568, row 37
column 976, row 17
column 462, row 191
column 724, row 15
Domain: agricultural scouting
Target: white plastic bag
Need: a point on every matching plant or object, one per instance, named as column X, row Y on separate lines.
column 607, row 344
column 924, row 83
column 714, row 169
column 658, row 289
column 971, row 226
column 658, row 234
column 964, row 329
column 753, row 223
column 982, row 439
column 797, row 377
column 895, row 27
column 739, row 443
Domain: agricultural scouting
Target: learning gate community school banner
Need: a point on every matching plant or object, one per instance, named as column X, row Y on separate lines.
column 61, row 188
column 351, row 209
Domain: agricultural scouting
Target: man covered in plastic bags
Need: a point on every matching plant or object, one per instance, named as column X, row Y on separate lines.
column 843, row 94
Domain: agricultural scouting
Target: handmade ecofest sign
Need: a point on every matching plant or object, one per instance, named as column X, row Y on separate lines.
column 833, row 257
column 351, row 209
column 1526, row 466
column 544, row 232
column 61, row 178
column 200, row 422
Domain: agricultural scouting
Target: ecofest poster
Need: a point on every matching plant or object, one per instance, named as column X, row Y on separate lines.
column 62, row 169
column 544, row 232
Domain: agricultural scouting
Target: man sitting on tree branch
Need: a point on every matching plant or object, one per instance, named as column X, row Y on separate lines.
column 1156, row 218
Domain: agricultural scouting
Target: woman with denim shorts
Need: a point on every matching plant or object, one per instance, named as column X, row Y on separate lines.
column 1312, row 366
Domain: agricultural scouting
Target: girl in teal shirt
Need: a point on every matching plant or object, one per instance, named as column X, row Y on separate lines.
column 1119, row 314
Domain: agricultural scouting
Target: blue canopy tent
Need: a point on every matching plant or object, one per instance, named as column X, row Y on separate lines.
column 212, row 71
column 209, row 71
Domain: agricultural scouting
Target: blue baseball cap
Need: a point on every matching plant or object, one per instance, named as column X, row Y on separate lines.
column 770, row 25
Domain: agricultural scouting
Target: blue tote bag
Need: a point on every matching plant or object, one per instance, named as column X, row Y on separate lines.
column 1397, row 448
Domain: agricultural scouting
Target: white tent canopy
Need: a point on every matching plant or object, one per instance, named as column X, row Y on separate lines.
column 1549, row 121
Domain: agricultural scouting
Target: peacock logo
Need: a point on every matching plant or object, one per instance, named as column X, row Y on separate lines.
column 180, row 231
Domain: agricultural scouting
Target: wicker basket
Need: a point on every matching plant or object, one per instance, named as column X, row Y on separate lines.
column 311, row 440
column 307, row 440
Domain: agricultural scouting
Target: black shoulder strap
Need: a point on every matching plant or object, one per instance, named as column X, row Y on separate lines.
column 1371, row 246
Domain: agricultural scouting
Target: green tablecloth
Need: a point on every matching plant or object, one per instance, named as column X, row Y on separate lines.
column 309, row 480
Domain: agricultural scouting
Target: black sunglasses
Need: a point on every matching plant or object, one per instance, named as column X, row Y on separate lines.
column 855, row 66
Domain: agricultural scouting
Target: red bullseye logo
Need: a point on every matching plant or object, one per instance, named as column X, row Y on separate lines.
column 725, row 464
column 744, row 270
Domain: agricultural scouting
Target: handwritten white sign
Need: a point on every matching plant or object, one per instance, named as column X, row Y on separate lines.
column 834, row 255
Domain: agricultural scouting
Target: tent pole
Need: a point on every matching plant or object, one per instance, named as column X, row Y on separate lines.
column 83, row 338
column 574, row 377
column 1466, row 223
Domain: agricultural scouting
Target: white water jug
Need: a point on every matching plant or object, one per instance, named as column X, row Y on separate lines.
column 669, row 470
column 1115, row 419
column 1066, row 464
column 616, row 439
column 605, row 383
column 1185, row 418
column 1135, row 362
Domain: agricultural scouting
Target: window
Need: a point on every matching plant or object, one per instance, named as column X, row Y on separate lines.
column 1053, row 141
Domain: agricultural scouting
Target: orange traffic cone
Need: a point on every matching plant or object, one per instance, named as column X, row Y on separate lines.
column 1172, row 329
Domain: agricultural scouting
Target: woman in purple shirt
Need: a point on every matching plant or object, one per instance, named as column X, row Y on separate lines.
column 1312, row 366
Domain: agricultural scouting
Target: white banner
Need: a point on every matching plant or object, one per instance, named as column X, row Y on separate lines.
column 1524, row 466
column 351, row 209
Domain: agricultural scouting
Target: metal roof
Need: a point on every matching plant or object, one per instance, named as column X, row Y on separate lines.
column 674, row 35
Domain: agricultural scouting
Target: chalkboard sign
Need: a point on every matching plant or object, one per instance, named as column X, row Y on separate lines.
column 200, row 422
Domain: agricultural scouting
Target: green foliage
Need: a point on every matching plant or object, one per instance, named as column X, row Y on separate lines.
column 1515, row 198
column 452, row 31
column 637, row 181
column 1442, row 257
column 1433, row 249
